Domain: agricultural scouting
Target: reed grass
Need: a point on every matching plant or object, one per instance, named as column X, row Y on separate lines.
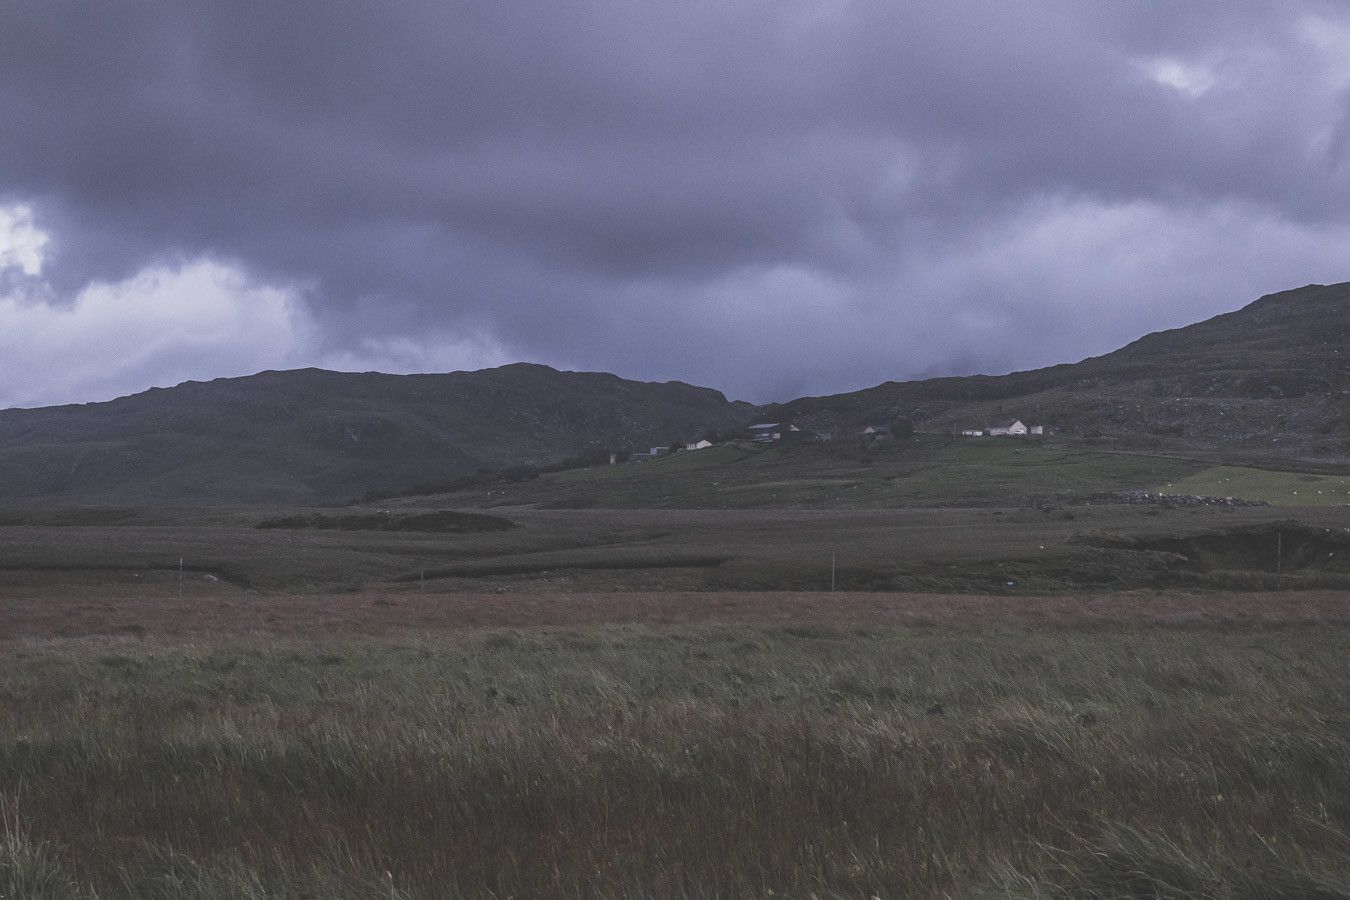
column 683, row 761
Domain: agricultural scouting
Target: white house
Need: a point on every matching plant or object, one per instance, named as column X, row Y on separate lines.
column 700, row 445
column 1009, row 427
column 972, row 432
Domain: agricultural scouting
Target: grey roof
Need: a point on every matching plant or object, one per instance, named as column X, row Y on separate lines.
column 765, row 425
column 1005, row 423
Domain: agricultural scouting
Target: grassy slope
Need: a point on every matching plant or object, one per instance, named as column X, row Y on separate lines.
column 928, row 472
column 708, row 761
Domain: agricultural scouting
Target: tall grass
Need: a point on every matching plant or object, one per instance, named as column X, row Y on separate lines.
column 29, row 870
column 685, row 762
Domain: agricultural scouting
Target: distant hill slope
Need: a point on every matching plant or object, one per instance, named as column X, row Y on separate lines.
column 1273, row 377
column 313, row 435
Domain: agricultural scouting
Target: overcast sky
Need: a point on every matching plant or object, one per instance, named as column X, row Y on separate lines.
column 772, row 198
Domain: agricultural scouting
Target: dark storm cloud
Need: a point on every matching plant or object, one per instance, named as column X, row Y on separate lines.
column 771, row 197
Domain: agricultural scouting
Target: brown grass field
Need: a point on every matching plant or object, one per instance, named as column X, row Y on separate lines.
column 411, row 744
column 104, row 607
column 581, row 707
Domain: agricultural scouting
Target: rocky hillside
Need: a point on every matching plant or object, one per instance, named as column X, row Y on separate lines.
column 315, row 436
column 1272, row 378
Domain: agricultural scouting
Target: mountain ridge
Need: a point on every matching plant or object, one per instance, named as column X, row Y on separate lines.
column 311, row 435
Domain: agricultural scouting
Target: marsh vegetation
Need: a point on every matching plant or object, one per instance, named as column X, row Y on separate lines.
column 1163, row 752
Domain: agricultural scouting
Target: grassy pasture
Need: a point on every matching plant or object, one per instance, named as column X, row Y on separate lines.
column 970, row 549
column 1276, row 488
column 1156, row 750
column 995, row 470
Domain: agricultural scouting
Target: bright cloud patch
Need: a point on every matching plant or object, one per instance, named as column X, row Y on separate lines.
column 166, row 325
column 21, row 242
column 1189, row 79
column 169, row 325
column 160, row 327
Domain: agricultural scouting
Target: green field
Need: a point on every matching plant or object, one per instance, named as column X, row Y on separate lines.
column 991, row 471
column 1276, row 488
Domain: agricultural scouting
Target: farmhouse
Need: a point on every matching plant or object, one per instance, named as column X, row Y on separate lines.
column 699, row 445
column 1005, row 427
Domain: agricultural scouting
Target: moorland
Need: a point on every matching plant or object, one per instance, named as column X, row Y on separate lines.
column 1056, row 700
column 246, row 654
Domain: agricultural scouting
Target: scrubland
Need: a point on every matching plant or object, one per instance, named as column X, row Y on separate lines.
column 1042, row 549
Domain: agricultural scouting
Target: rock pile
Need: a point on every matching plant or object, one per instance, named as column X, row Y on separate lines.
column 1152, row 498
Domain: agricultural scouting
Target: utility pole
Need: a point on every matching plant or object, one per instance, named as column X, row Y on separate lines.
column 831, row 573
column 1279, row 553
column 180, row 578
